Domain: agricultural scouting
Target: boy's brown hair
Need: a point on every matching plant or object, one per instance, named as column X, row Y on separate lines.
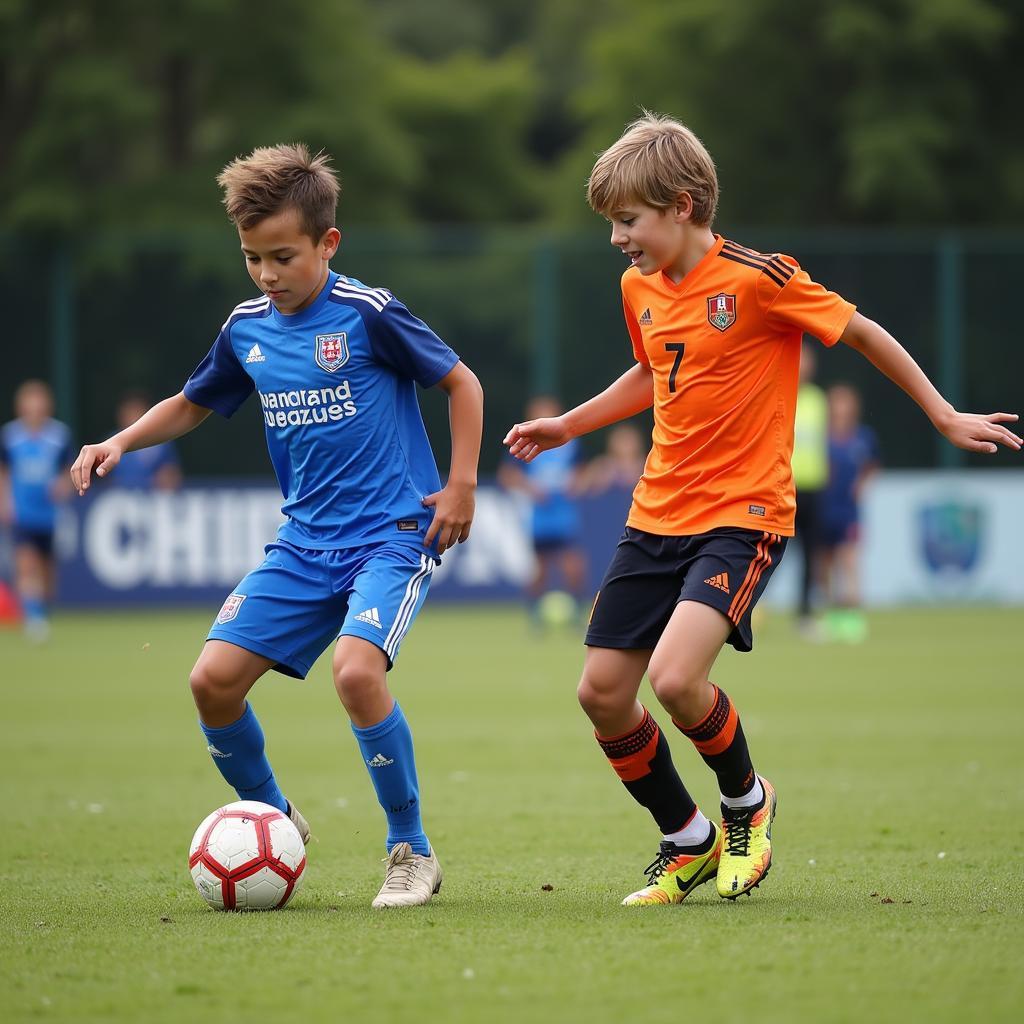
column 654, row 161
column 275, row 178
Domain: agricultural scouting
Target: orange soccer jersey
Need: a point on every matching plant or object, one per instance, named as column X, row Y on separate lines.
column 724, row 349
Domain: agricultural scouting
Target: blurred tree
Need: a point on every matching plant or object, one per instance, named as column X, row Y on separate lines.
column 855, row 111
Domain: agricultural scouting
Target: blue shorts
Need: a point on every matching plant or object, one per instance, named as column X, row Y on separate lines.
column 294, row 605
column 39, row 539
column 839, row 526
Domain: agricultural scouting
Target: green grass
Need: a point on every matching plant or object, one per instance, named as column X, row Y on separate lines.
column 886, row 756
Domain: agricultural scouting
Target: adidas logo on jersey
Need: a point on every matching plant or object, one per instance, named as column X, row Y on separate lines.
column 720, row 581
column 371, row 617
column 255, row 355
column 645, row 318
column 380, row 761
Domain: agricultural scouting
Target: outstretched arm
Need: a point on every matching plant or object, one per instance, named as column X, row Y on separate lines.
column 455, row 504
column 631, row 393
column 974, row 432
column 167, row 420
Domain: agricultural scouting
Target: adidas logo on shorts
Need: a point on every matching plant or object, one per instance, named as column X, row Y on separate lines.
column 371, row 617
column 720, row 581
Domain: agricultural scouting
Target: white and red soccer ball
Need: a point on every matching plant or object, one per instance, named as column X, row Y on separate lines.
column 247, row 856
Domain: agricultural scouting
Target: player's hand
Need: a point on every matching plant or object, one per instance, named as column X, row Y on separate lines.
column 102, row 457
column 527, row 440
column 453, row 507
column 977, row 433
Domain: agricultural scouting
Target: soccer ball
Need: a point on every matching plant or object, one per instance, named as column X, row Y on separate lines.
column 247, row 856
column 557, row 608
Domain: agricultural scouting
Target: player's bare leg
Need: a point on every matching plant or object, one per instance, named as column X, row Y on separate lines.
column 220, row 681
column 413, row 873
column 609, row 686
column 638, row 752
column 847, row 622
column 679, row 672
column 31, row 575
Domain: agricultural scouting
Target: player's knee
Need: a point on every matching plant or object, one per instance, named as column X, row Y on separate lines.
column 209, row 687
column 600, row 701
column 358, row 685
column 675, row 685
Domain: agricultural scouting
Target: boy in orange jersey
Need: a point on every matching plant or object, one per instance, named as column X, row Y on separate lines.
column 716, row 330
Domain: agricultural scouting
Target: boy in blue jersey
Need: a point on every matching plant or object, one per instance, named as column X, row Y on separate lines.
column 852, row 461
column 35, row 449
column 147, row 469
column 551, row 483
column 335, row 365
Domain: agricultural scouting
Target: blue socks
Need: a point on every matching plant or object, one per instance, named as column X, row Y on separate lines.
column 237, row 751
column 387, row 752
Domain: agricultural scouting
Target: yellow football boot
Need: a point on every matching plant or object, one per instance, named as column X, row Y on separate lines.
column 747, row 852
column 674, row 874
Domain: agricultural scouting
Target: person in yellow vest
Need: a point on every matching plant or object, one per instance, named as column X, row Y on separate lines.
column 810, row 474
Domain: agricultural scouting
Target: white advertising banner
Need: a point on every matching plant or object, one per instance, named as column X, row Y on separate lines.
column 935, row 537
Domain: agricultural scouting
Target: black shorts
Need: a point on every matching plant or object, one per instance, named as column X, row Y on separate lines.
column 40, row 540
column 649, row 575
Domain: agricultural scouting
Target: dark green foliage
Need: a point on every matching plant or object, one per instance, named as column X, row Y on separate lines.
column 857, row 111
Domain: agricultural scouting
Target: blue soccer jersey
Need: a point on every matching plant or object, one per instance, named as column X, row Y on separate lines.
column 34, row 459
column 555, row 515
column 138, row 470
column 337, row 389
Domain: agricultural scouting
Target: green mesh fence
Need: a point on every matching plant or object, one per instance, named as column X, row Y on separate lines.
column 527, row 310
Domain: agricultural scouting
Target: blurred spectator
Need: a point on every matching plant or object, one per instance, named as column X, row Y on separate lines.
column 810, row 474
column 621, row 464
column 153, row 468
column 551, row 482
column 853, row 459
column 35, row 452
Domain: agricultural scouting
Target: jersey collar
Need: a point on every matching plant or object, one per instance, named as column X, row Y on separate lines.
column 305, row 315
column 687, row 282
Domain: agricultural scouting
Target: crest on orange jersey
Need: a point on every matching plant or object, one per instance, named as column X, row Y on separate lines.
column 722, row 311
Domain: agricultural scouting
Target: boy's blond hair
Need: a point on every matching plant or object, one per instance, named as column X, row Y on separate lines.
column 654, row 161
column 276, row 178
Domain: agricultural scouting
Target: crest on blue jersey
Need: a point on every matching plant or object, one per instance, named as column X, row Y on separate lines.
column 229, row 609
column 722, row 311
column 331, row 351
column 951, row 536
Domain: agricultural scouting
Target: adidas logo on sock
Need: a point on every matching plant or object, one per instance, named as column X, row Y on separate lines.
column 215, row 752
column 255, row 355
column 380, row 761
column 371, row 617
column 645, row 318
column 720, row 581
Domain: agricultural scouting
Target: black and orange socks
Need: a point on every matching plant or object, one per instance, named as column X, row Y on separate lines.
column 719, row 739
column 643, row 762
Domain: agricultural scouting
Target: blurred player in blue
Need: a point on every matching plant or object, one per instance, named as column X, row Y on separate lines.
column 853, row 459
column 551, row 483
column 147, row 469
column 35, row 450
column 335, row 366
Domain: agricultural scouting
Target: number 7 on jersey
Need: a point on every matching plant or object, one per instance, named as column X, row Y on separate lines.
column 679, row 348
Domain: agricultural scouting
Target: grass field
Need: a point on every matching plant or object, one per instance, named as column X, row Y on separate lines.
column 896, row 893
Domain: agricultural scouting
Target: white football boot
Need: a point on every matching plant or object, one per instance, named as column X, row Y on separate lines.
column 411, row 878
column 299, row 822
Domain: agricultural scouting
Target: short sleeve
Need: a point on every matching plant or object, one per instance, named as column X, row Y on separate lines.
column 639, row 353
column 219, row 382
column 871, row 446
column 408, row 346
column 67, row 454
column 787, row 294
